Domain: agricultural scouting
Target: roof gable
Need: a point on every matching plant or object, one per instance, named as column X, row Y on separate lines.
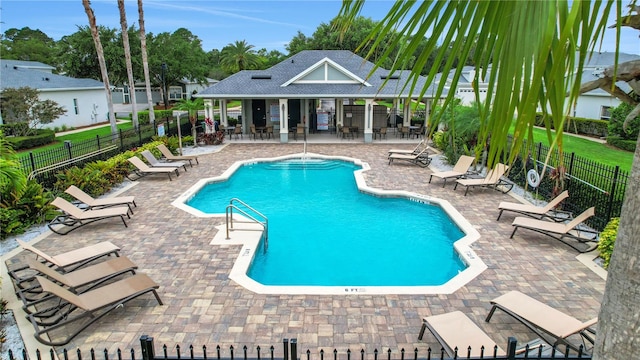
column 326, row 71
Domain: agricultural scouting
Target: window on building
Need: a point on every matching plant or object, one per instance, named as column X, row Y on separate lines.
column 175, row 93
column 75, row 106
column 605, row 112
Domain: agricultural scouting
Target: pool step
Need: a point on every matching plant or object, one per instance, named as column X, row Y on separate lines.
column 306, row 164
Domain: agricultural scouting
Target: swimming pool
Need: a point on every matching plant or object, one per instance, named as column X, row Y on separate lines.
column 329, row 232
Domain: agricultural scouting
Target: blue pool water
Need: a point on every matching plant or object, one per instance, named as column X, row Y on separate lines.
column 324, row 231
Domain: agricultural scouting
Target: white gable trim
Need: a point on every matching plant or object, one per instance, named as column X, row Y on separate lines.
column 326, row 62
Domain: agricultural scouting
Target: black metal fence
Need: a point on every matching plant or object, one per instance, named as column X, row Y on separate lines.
column 290, row 352
column 589, row 183
column 43, row 165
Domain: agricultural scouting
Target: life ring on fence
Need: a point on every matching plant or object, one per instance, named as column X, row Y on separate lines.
column 533, row 178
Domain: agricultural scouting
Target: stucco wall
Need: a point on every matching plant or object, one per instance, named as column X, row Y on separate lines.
column 92, row 107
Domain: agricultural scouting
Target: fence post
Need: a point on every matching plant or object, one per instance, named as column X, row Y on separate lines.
column 32, row 160
column 98, row 141
column 612, row 194
column 67, row 145
column 294, row 349
column 139, row 130
column 146, row 344
column 285, row 343
column 512, row 343
column 121, row 139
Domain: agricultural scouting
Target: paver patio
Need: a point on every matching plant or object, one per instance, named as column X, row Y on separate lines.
column 203, row 307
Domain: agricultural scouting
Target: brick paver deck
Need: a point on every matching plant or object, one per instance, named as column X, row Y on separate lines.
column 203, row 307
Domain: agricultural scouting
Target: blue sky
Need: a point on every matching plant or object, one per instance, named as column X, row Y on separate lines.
column 266, row 24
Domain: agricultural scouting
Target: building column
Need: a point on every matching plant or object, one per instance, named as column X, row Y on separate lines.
column 368, row 120
column 339, row 113
column 223, row 113
column 283, row 105
column 406, row 114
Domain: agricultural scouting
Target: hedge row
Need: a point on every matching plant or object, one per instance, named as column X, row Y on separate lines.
column 42, row 137
column 582, row 126
column 628, row 145
column 143, row 116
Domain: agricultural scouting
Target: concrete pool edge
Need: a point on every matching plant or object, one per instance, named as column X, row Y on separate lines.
column 249, row 240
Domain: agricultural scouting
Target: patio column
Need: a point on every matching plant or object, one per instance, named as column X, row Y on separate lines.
column 223, row 113
column 368, row 120
column 283, row 104
column 406, row 114
column 208, row 108
column 339, row 113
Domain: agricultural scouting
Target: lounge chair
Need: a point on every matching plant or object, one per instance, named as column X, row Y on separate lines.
column 492, row 180
column 460, row 169
column 421, row 159
column 538, row 212
column 78, row 281
column 164, row 150
column 75, row 258
column 155, row 163
column 421, row 146
column 457, row 334
column 93, row 203
column 561, row 231
column 89, row 306
column 550, row 324
column 142, row 169
column 73, row 217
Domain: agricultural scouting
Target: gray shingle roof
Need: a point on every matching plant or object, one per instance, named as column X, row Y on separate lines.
column 16, row 73
column 242, row 85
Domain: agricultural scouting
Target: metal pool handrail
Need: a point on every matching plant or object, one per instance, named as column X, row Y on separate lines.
column 264, row 222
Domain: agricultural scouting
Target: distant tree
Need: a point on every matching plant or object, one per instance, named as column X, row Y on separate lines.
column 28, row 44
column 191, row 106
column 23, row 105
column 182, row 52
column 216, row 70
column 299, row 43
column 239, row 56
column 145, row 62
column 269, row 58
column 127, row 57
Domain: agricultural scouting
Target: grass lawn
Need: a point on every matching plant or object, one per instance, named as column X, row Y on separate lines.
column 601, row 153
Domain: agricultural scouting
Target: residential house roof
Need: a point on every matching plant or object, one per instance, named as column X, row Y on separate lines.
column 316, row 74
column 17, row 73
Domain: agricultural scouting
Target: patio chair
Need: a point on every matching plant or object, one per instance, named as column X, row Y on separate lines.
column 269, row 132
column 421, row 146
column 142, row 169
column 460, row 169
column 561, row 231
column 421, row 159
column 237, row 131
column 155, row 163
column 492, row 180
column 551, row 325
column 84, row 309
column 457, row 334
column 74, row 259
column 73, row 218
column 538, row 212
column 168, row 155
column 78, row 281
column 93, row 203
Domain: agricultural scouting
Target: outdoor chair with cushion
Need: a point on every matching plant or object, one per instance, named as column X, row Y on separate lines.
column 493, row 179
column 168, row 155
column 75, row 312
column 538, row 212
column 238, row 131
column 73, row 259
column 460, row 169
column 552, row 325
column 93, row 203
column 155, row 163
column 73, row 217
column 568, row 233
column 142, row 169
column 421, row 159
column 421, row 146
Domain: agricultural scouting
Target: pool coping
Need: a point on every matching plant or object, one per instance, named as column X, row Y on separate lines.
column 249, row 238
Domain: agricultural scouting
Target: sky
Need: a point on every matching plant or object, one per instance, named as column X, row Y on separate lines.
column 269, row 24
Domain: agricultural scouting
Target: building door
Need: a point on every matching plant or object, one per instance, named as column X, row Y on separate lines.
column 259, row 111
column 294, row 112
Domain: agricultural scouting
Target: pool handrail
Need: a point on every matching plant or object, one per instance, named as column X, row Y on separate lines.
column 229, row 218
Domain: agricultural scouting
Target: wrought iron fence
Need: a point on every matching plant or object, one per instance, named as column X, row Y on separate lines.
column 290, row 352
column 589, row 183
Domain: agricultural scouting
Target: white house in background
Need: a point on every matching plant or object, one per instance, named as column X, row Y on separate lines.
column 465, row 90
column 597, row 104
column 84, row 99
column 176, row 92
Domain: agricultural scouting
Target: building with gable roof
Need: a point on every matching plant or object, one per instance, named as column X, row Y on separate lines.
column 289, row 94
column 84, row 99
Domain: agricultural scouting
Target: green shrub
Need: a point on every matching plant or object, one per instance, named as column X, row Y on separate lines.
column 439, row 140
column 581, row 126
column 628, row 145
column 618, row 115
column 608, row 240
column 42, row 137
column 143, row 115
column 19, row 212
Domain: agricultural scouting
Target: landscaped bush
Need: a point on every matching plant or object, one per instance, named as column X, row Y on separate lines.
column 12, row 129
column 618, row 115
column 18, row 212
column 608, row 240
column 628, row 145
column 581, row 126
column 143, row 115
column 42, row 137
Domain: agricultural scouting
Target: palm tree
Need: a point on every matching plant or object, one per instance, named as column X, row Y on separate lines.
column 239, row 56
column 127, row 58
column 103, row 64
column 145, row 63
column 191, row 106
column 534, row 45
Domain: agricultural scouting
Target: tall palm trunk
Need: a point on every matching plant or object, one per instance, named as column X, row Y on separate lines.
column 145, row 63
column 103, row 64
column 127, row 59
